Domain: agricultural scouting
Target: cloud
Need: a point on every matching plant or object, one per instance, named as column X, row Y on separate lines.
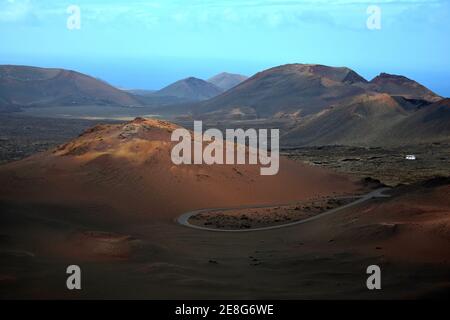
column 15, row 10
column 210, row 13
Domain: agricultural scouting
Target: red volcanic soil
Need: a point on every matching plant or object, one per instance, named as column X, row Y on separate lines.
column 412, row 226
column 107, row 201
column 128, row 167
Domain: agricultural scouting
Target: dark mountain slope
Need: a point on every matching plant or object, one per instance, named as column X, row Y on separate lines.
column 191, row 89
column 402, row 86
column 31, row 86
column 294, row 89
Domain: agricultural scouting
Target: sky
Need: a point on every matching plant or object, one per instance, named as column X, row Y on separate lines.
column 139, row 44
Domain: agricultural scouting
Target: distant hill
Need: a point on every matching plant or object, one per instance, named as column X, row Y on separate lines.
column 24, row 86
column 318, row 105
column 402, row 86
column 226, row 81
column 190, row 89
column 299, row 89
column 324, row 105
column 358, row 122
column 373, row 119
column 428, row 124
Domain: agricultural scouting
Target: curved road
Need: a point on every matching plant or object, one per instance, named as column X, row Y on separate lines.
column 184, row 218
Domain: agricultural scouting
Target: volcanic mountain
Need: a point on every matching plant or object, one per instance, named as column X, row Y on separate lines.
column 192, row 89
column 128, row 166
column 107, row 201
column 226, row 81
column 300, row 89
column 402, row 86
column 373, row 120
column 32, row 86
column 108, row 195
column 428, row 124
column 357, row 122
column 326, row 105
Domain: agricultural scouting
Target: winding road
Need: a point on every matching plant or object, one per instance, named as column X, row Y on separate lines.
column 184, row 218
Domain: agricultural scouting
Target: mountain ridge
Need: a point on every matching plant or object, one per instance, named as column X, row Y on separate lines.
column 190, row 88
column 25, row 86
column 226, row 80
column 402, row 86
column 293, row 88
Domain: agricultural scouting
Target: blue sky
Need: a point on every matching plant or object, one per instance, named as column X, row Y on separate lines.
column 148, row 44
